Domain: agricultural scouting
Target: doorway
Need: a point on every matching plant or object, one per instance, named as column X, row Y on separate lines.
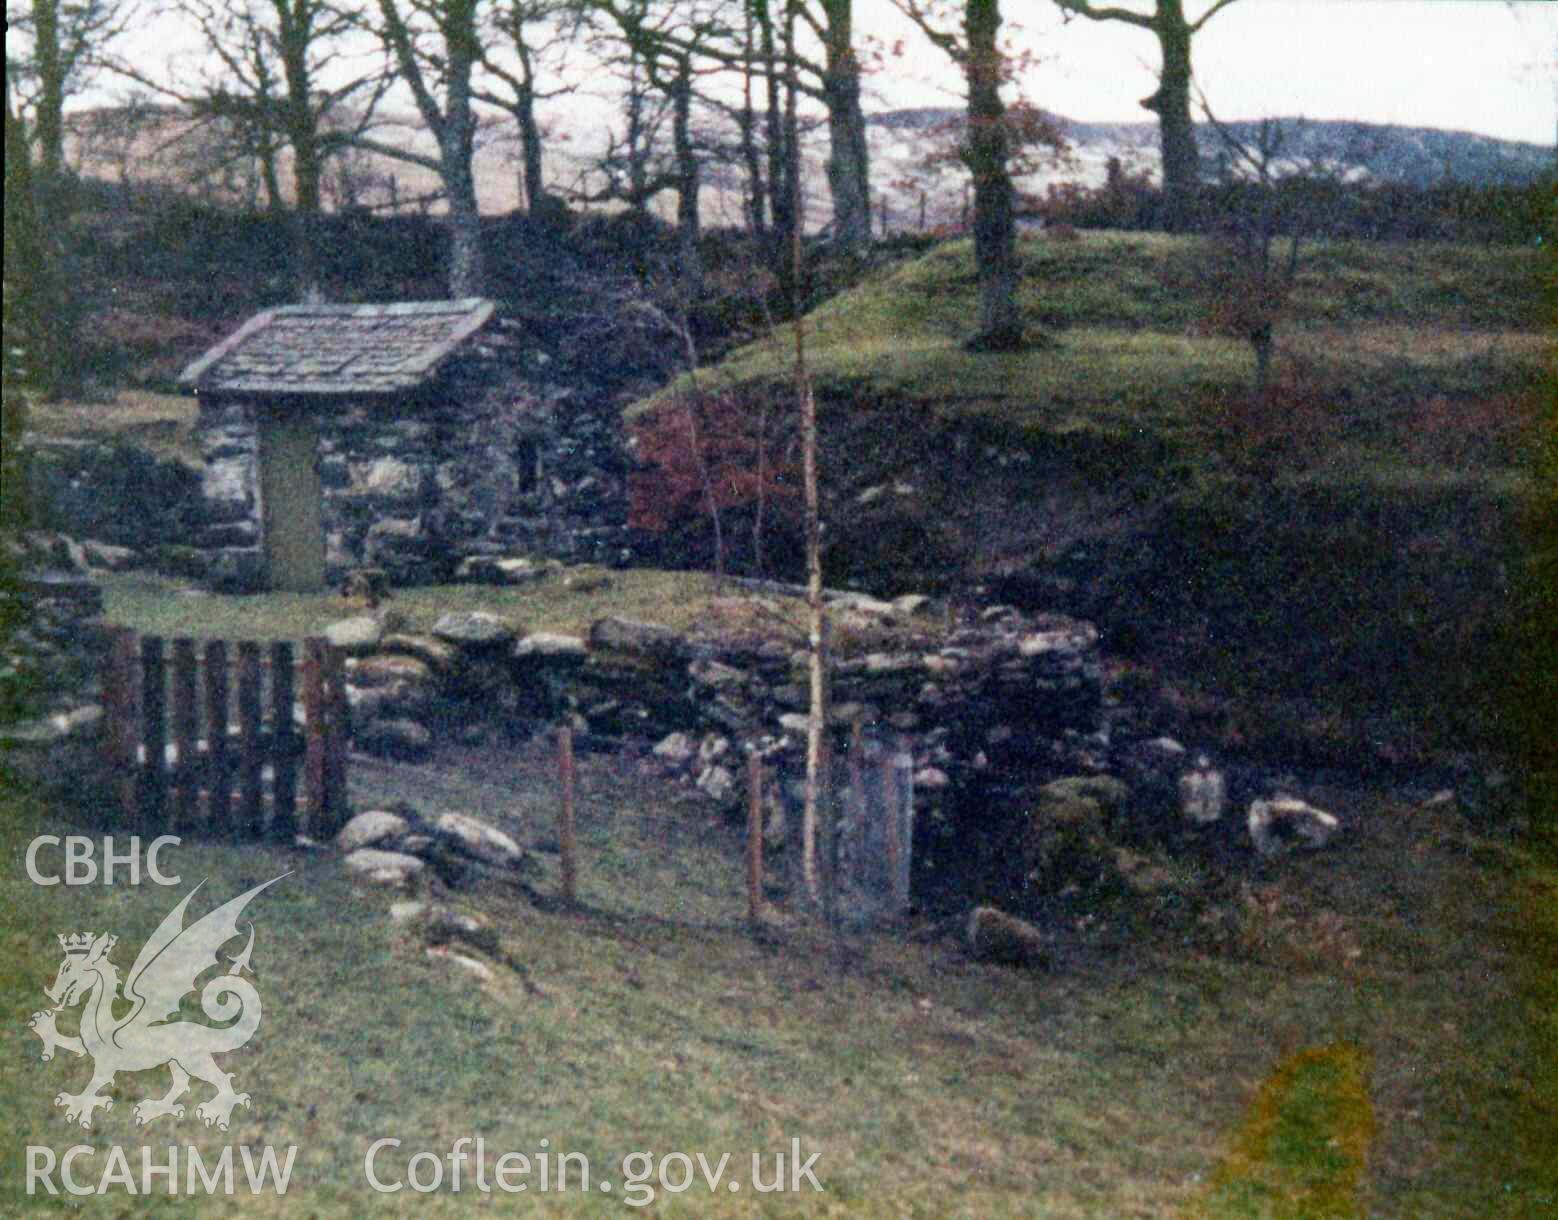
column 291, row 493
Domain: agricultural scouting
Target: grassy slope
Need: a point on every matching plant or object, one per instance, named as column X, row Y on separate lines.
column 1370, row 326
column 164, row 424
column 932, row 1086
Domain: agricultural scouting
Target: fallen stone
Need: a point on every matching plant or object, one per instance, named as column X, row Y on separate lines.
column 481, row 970
column 383, row 867
column 1203, row 793
column 636, row 638
column 715, row 746
column 474, row 629
column 356, row 636
column 369, row 828
column 407, row 912
column 481, row 841
column 995, row 936
column 931, row 778
column 402, row 739
column 109, row 558
column 914, row 605
column 1283, row 823
column 385, row 669
column 1078, row 637
column 549, row 644
column 862, row 603
column 442, row 926
column 438, row 655
column 716, row 782
column 586, row 582
column 674, row 748
column 396, row 701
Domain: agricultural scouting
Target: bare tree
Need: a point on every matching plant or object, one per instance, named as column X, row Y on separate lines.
column 667, row 43
column 263, row 82
column 61, row 45
column 535, row 37
column 992, row 138
column 1166, row 20
column 1249, row 276
column 435, row 46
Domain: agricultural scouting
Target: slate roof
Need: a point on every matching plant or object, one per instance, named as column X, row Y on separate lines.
column 328, row 350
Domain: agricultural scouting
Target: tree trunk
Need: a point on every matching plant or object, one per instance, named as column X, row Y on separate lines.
column 1261, row 341
column 784, row 170
column 1176, row 131
column 987, row 151
column 466, row 274
column 686, row 178
column 307, row 209
column 530, row 151
column 456, row 146
column 756, row 212
column 849, row 176
column 49, row 119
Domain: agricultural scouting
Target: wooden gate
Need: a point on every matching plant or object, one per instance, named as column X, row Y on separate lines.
column 205, row 737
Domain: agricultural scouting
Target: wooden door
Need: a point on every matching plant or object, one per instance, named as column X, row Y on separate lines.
column 292, row 495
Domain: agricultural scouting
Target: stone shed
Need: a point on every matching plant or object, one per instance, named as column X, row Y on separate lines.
column 405, row 436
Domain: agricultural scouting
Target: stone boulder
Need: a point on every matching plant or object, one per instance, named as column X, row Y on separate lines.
column 384, row 867
column 675, row 749
column 388, row 669
column 356, row 636
column 395, row 738
column 1284, row 823
column 551, row 647
column 475, row 629
column 994, row 936
column 497, row 570
column 371, row 828
column 438, row 655
column 1203, row 793
column 480, row 841
column 1070, row 830
column 629, row 637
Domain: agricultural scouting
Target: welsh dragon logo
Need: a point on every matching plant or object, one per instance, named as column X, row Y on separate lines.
column 143, row 1037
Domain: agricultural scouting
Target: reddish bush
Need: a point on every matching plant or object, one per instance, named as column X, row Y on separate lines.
column 721, row 446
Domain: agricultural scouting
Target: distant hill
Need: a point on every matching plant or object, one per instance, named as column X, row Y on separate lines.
column 1408, row 156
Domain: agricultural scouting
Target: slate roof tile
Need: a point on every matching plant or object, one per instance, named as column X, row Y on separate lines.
column 338, row 349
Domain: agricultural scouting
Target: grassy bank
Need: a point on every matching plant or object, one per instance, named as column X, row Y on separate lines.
column 1345, row 550
column 1128, row 1084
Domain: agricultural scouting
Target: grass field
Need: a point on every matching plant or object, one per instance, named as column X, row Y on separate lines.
column 162, row 606
column 1358, row 1040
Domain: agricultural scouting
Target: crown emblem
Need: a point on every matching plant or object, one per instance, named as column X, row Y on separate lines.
column 79, row 943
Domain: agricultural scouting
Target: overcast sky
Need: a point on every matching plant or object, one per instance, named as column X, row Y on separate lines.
column 1474, row 65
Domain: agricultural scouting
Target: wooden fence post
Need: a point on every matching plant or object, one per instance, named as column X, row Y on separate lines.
column 889, row 765
column 219, row 786
column 251, row 811
column 903, row 823
column 565, row 838
column 122, row 739
column 754, row 836
column 314, row 727
column 337, row 714
column 284, row 757
column 154, row 780
column 186, row 728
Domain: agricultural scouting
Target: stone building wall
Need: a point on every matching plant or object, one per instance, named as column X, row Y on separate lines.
column 489, row 460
